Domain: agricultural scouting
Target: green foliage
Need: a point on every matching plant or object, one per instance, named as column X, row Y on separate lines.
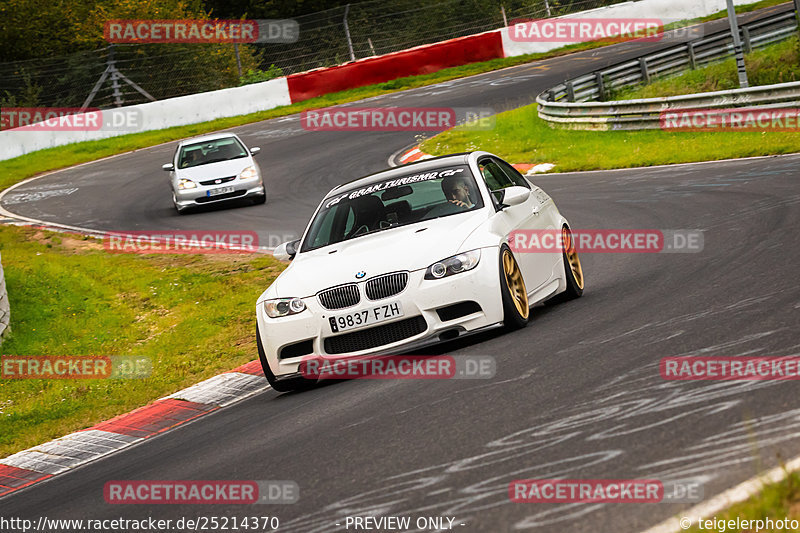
column 775, row 501
column 257, row 76
column 65, row 53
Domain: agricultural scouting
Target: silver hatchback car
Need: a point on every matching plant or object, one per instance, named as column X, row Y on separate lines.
column 214, row 168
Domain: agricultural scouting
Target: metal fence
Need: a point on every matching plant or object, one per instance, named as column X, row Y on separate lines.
column 580, row 103
column 327, row 38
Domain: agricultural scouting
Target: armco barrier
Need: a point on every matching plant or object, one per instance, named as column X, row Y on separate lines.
column 573, row 104
column 414, row 61
column 5, row 309
column 648, row 113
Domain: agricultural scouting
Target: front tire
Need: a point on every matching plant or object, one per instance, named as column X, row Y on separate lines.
column 260, row 199
column 284, row 385
column 516, row 309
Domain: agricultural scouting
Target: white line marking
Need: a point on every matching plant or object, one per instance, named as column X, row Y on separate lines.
column 722, row 501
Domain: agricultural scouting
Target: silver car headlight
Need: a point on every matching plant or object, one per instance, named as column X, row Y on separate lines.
column 186, row 184
column 284, row 307
column 454, row 265
column 248, row 174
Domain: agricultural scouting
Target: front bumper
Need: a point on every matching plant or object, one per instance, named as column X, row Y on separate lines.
column 421, row 298
column 199, row 195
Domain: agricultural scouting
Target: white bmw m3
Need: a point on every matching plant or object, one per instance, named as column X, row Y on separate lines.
column 408, row 257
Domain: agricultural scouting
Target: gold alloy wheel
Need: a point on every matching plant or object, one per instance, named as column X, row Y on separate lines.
column 515, row 283
column 572, row 257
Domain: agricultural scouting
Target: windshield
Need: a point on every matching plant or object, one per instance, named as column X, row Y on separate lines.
column 392, row 203
column 192, row 155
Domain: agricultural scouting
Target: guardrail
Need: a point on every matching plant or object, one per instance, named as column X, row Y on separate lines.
column 5, row 311
column 580, row 103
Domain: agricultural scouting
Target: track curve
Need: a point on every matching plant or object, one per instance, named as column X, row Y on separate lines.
column 577, row 393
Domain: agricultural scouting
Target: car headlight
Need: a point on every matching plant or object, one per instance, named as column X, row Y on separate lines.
column 453, row 265
column 248, row 174
column 186, row 184
column 284, row 307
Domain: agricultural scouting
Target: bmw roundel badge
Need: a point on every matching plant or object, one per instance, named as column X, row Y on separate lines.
column 360, row 275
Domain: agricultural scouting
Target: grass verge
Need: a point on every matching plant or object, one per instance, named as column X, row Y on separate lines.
column 192, row 315
column 776, row 501
column 777, row 63
column 15, row 170
column 520, row 136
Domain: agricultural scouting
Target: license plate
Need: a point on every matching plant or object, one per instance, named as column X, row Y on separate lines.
column 373, row 315
column 218, row 191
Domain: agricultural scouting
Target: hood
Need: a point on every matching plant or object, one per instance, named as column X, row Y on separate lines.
column 211, row 171
column 411, row 247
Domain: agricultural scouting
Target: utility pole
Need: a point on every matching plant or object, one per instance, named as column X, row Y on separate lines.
column 238, row 59
column 347, row 33
column 797, row 13
column 737, row 45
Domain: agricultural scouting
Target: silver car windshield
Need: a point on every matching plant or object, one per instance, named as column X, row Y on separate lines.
column 391, row 203
column 196, row 154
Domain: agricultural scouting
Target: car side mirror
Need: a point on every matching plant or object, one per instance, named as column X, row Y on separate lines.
column 169, row 167
column 255, row 151
column 286, row 251
column 514, row 196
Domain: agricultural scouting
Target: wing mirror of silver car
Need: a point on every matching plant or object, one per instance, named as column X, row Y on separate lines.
column 255, row 151
column 169, row 167
column 286, row 251
column 514, row 196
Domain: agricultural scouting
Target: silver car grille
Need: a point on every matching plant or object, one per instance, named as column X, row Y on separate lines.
column 215, row 181
column 387, row 285
column 340, row 297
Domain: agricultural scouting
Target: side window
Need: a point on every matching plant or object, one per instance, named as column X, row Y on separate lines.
column 513, row 174
column 494, row 176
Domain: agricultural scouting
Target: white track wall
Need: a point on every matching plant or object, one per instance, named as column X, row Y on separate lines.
column 666, row 10
column 159, row 115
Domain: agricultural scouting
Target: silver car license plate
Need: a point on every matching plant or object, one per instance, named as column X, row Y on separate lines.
column 218, row 191
column 373, row 315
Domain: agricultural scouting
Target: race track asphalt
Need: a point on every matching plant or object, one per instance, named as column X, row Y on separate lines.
column 577, row 393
